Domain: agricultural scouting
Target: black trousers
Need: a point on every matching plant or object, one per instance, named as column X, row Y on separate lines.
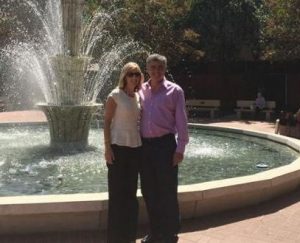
column 122, row 188
column 159, row 181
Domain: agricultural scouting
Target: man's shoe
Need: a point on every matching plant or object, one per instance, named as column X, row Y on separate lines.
column 152, row 239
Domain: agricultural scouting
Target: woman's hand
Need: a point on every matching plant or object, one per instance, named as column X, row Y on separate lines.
column 109, row 155
column 109, row 112
column 177, row 158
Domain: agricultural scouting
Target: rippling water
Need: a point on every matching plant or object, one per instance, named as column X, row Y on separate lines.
column 213, row 155
column 29, row 166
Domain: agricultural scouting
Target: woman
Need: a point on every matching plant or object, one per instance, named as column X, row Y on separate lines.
column 122, row 154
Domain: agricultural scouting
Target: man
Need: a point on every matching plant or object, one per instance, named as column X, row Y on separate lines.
column 163, row 116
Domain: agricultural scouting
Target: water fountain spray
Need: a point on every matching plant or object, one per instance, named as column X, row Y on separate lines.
column 59, row 60
column 69, row 122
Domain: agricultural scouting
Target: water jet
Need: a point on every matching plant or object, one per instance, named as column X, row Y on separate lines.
column 60, row 60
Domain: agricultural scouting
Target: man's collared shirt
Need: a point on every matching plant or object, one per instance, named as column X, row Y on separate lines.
column 163, row 112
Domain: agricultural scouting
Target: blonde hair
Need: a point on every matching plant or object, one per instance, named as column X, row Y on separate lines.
column 130, row 67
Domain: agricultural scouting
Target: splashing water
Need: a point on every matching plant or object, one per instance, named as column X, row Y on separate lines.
column 30, row 56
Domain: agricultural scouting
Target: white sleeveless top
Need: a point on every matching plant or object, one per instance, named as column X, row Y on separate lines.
column 125, row 124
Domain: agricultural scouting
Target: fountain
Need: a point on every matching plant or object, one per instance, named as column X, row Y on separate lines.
column 69, row 122
column 61, row 62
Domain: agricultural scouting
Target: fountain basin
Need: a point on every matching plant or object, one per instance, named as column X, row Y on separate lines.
column 29, row 166
column 69, row 124
column 89, row 211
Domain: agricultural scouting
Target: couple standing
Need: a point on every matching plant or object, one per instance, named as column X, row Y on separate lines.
column 140, row 123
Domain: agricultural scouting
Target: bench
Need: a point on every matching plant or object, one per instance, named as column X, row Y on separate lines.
column 203, row 105
column 248, row 106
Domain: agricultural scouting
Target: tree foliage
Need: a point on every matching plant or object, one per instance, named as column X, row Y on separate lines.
column 204, row 30
column 228, row 30
column 195, row 30
column 281, row 32
column 156, row 24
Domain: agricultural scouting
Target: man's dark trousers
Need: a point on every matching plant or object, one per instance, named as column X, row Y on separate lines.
column 159, row 180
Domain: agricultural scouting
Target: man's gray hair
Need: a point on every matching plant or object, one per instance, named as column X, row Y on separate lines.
column 157, row 58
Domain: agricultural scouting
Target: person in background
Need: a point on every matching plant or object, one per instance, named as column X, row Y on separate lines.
column 259, row 103
column 163, row 116
column 122, row 154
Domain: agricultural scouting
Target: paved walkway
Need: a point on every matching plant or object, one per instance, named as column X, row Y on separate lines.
column 270, row 222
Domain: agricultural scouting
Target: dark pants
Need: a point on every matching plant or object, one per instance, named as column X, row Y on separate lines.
column 258, row 113
column 159, row 180
column 122, row 187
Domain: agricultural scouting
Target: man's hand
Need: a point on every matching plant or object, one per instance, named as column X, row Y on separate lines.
column 177, row 158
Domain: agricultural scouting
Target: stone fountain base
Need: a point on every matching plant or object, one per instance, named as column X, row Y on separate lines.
column 69, row 124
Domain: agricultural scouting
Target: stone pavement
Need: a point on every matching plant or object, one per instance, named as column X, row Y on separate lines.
column 270, row 222
column 276, row 221
column 22, row 116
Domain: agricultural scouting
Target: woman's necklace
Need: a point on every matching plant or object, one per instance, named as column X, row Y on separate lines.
column 130, row 94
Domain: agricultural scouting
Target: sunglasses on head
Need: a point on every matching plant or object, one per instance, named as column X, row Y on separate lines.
column 137, row 74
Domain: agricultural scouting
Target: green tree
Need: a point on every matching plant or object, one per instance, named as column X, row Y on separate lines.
column 156, row 24
column 228, row 30
column 281, row 32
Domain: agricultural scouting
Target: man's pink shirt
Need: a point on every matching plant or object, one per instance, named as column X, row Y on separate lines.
column 164, row 112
